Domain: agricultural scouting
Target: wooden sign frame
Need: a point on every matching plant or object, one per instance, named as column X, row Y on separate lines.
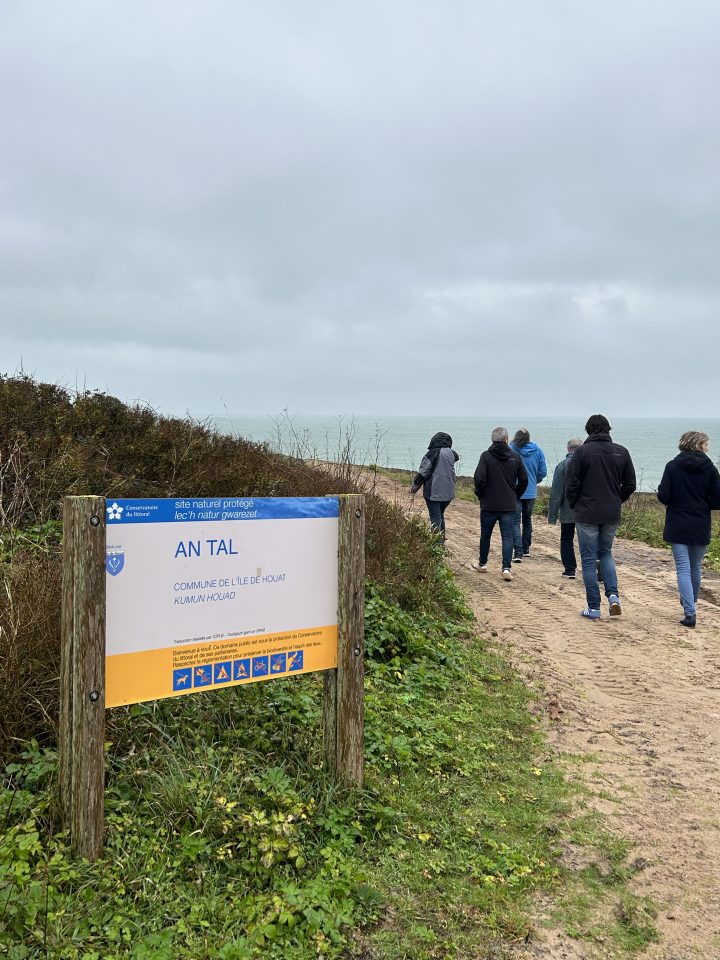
column 82, row 673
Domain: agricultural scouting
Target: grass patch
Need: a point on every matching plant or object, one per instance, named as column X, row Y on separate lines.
column 488, row 819
column 643, row 519
column 226, row 840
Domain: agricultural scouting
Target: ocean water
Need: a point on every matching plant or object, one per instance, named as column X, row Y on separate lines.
column 394, row 441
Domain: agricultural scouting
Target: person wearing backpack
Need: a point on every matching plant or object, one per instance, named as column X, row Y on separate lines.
column 689, row 490
column 436, row 476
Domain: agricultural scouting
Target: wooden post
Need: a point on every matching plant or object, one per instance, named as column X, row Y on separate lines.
column 82, row 676
column 344, row 700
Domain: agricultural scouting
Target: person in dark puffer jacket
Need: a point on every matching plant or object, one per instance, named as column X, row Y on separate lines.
column 599, row 478
column 436, row 475
column 689, row 489
column 500, row 480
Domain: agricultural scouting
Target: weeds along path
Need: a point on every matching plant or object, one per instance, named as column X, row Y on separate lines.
column 637, row 698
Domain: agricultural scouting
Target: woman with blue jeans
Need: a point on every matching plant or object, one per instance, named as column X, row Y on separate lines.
column 689, row 489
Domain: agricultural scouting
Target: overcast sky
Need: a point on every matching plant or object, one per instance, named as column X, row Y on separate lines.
column 509, row 206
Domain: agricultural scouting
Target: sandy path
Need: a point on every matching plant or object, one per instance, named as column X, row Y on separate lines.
column 639, row 692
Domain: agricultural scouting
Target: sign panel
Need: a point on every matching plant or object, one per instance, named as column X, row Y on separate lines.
column 204, row 593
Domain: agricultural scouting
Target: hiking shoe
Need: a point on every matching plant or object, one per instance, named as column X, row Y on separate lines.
column 615, row 608
column 506, row 574
column 688, row 622
column 590, row 614
column 526, row 553
column 517, row 559
column 569, row 576
column 476, row 565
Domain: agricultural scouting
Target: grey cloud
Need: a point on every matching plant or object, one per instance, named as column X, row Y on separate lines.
column 332, row 201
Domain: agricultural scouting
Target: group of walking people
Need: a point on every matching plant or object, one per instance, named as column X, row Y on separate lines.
column 588, row 489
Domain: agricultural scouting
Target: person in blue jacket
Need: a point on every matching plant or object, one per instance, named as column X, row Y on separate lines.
column 689, row 489
column 536, row 468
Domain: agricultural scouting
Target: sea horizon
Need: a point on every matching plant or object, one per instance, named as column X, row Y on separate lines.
column 400, row 440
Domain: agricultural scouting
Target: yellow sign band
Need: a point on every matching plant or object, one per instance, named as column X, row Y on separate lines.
column 190, row 668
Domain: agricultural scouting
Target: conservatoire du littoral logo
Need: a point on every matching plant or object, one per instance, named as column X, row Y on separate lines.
column 115, row 511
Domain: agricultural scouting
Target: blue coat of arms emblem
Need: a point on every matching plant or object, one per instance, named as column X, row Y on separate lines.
column 114, row 562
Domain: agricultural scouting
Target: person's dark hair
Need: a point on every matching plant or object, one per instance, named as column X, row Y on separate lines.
column 597, row 423
column 522, row 437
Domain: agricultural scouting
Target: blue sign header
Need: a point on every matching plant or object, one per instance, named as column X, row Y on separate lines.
column 206, row 509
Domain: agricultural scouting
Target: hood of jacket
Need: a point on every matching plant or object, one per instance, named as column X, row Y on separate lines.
column 529, row 448
column 694, row 461
column 500, row 450
column 440, row 440
column 599, row 438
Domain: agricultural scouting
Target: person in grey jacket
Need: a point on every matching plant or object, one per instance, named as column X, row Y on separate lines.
column 559, row 508
column 436, row 475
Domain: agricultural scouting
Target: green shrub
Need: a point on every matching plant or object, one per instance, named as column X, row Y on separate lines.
column 54, row 444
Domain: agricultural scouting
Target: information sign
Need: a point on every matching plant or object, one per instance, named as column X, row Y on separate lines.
column 210, row 592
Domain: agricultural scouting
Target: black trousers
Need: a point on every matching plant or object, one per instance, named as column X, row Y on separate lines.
column 567, row 547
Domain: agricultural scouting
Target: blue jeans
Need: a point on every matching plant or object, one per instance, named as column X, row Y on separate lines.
column 595, row 541
column 436, row 511
column 522, row 540
column 688, row 566
column 488, row 519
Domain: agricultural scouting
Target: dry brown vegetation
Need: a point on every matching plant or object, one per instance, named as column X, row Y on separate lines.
column 54, row 443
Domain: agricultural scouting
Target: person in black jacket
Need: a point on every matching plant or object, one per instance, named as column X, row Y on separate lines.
column 599, row 478
column 689, row 489
column 500, row 480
